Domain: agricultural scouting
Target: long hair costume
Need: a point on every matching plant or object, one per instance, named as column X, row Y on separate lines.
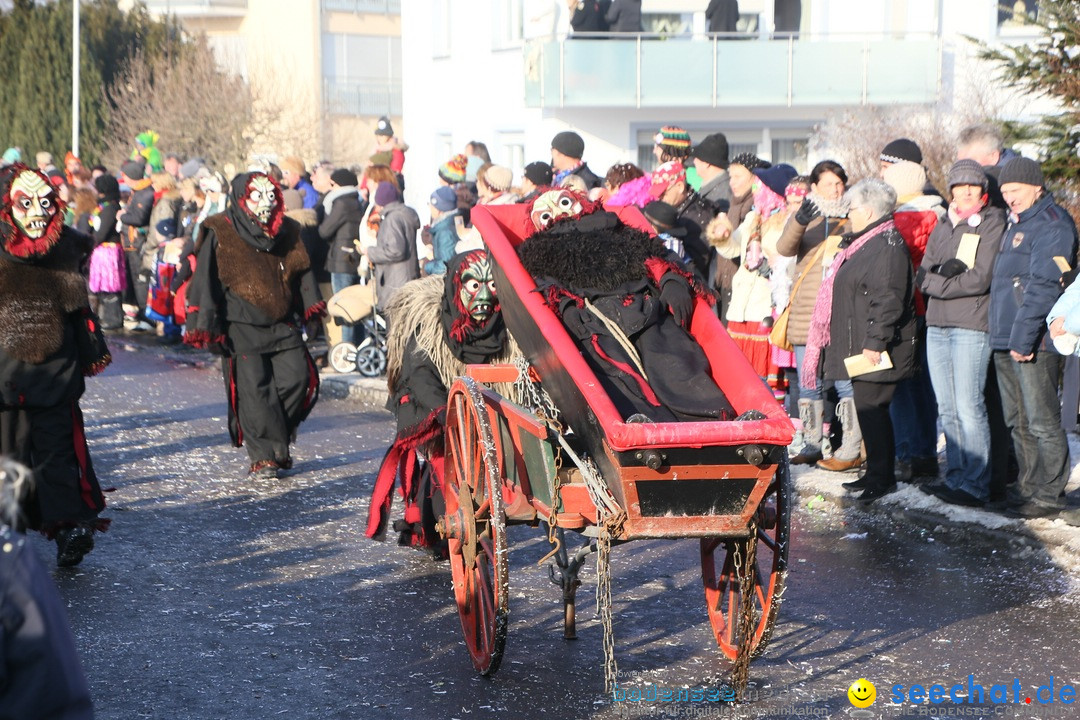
column 49, row 341
column 617, row 290
column 434, row 334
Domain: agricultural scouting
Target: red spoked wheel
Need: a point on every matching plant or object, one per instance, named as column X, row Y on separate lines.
column 722, row 591
column 475, row 526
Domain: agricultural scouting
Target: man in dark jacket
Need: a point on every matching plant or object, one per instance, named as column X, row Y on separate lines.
column 624, row 16
column 722, row 15
column 394, row 253
column 135, row 226
column 252, row 285
column 694, row 213
column 588, row 16
column 344, row 211
column 1025, row 286
column 537, row 175
column 567, row 149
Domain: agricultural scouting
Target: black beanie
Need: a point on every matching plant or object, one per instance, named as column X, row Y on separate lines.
column 713, row 150
column 569, row 144
column 1021, row 170
column 539, row 173
column 344, row 177
column 902, row 149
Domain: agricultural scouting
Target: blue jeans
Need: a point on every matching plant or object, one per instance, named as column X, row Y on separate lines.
column 914, row 410
column 339, row 281
column 958, row 362
column 843, row 387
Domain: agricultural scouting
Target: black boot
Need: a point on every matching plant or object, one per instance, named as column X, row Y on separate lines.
column 72, row 544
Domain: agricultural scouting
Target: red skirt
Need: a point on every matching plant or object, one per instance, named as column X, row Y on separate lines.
column 753, row 339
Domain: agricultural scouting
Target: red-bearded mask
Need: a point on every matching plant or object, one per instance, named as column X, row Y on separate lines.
column 555, row 205
column 32, row 209
column 263, row 202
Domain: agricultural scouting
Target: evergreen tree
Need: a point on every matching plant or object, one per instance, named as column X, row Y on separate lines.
column 1050, row 68
column 35, row 40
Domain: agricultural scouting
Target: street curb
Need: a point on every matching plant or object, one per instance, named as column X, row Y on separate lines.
column 355, row 387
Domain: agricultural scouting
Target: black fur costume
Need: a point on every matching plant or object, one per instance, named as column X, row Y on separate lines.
column 596, row 267
column 49, row 340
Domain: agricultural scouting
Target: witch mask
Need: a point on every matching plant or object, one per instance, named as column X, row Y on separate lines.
column 477, row 287
column 33, row 209
column 553, row 205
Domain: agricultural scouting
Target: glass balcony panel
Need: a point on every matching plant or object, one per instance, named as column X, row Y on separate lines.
column 198, row 7
column 363, row 97
column 827, row 73
column 751, row 72
column 676, row 72
column 902, row 71
column 597, row 72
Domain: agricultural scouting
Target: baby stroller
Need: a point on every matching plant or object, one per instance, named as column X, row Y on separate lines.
column 357, row 305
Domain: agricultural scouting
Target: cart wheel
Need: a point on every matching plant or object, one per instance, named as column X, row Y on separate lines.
column 718, row 570
column 343, row 357
column 371, row 360
column 475, row 527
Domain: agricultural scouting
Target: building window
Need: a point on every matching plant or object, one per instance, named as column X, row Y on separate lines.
column 387, row 7
column 440, row 28
column 1017, row 15
column 444, row 145
column 793, row 152
column 507, row 24
column 362, row 74
column 511, row 150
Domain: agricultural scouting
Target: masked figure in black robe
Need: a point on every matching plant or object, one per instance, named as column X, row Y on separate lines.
column 438, row 325
column 251, row 289
column 49, row 340
column 628, row 304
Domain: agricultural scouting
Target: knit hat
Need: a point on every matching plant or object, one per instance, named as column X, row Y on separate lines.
column 569, row 144
column 12, row 155
column 453, row 170
column 966, row 172
column 386, row 193
column 902, row 149
column 444, row 199
column 712, row 150
column 664, row 218
column 293, row 199
column 750, row 161
column 539, row 173
column 134, row 169
column 166, row 228
column 906, row 178
column 666, row 176
column 1021, row 170
column 777, row 177
column 343, row 177
column 384, row 128
column 293, row 164
column 499, row 178
column 672, row 136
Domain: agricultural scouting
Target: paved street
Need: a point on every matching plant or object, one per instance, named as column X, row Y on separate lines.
column 215, row 596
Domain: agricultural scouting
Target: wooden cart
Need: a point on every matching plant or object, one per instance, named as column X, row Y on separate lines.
column 726, row 483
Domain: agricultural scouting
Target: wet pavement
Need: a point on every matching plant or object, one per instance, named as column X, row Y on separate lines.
column 217, row 596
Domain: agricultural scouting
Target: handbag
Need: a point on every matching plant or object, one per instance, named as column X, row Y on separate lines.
column 778, row 334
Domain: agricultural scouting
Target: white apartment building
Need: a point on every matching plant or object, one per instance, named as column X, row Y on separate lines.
column 507, row 73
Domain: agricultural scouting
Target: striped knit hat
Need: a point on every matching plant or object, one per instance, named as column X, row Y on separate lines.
column 453, row 170
column 673, row 136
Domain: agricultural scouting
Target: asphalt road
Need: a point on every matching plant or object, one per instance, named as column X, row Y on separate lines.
column 216, row 596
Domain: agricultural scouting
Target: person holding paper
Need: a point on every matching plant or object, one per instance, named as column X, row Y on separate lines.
column 865, row 311
column 955, row 280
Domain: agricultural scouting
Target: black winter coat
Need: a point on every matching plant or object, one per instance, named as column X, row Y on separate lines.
column 340, row 228
column 589, row 16
column 592, row 180
column 873, row 307
column 624, row 16
column 695, row 214
column 722, row 15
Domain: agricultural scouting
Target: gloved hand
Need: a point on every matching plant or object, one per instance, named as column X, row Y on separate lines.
column 675, row 293
column 807, row 212
column 952, row 267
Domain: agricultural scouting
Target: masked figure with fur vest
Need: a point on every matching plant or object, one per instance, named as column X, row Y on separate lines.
column 49, row 340
column 627, row 302
column 252, row 289
column 438, row 325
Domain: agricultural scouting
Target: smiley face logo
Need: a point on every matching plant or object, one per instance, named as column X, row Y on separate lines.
column 862, row 693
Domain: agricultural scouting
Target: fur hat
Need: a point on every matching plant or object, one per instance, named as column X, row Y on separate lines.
column 453, row 170
column 539, row 173
column 569, row 144
column 444, row 199
column 1021, row 170
column 902, row 149
column 344, row 177
column 386, row 193
column 499, row 178
column 712, row 150
column 967, row 172
column 906, row 178
column 293, row 164
column 384, row 128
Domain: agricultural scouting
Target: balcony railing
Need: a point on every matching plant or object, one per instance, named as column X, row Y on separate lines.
column 362, row 97
column 386, row 7
column 650, row 71
column 199, row 8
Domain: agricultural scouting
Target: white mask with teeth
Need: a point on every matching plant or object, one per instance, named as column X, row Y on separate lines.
column 33, row 204
column 261, row 198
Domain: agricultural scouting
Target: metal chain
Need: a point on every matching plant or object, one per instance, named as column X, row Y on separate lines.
column 744, row 575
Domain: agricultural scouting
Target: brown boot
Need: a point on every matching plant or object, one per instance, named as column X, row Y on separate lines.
column 848, row 457
column 835, row 464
